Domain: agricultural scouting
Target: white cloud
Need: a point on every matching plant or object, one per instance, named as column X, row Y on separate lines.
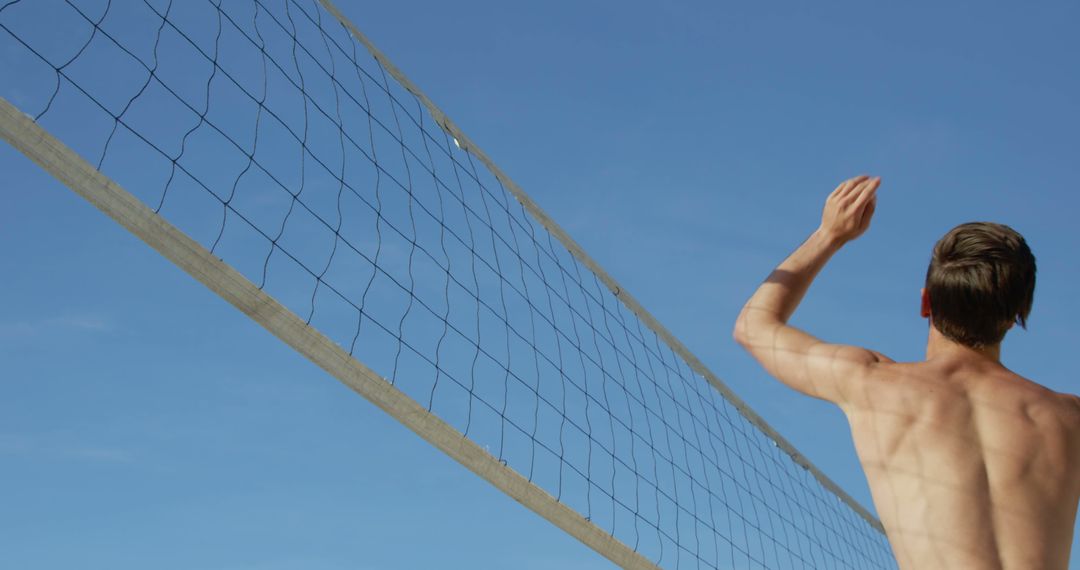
column 12, row 444
column 52, row 325
column 102, row 454
column 88, row 323
column 48, row 446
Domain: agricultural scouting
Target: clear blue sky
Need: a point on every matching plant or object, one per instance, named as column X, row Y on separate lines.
column 687, row 146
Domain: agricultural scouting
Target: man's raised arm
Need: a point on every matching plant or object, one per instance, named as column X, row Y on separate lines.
column 801, row 361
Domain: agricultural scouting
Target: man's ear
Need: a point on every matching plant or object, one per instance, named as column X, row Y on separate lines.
column 924, row 311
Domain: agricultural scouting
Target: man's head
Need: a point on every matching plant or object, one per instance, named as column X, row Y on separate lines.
column 980, row 282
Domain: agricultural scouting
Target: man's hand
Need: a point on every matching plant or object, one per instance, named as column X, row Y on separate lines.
column 849, row 208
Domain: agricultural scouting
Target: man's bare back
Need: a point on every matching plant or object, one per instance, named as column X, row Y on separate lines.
column 970, row 465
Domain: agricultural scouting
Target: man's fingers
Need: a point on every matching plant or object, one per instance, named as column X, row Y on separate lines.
column 839, row 187
column 852, row 189
column 868, row 214
column 845, row 189
column 864, row 192
column 847, row 185
column 869, row 188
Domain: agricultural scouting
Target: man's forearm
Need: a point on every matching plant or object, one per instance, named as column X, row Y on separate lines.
column 846, row 216
column 778, row 297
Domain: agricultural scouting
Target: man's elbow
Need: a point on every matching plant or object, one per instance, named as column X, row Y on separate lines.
column 741, row 332
column 750, row 327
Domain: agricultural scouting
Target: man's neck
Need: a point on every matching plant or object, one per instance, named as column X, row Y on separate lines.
column 940, row 348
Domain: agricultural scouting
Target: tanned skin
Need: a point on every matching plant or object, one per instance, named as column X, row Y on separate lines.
column 970, row 465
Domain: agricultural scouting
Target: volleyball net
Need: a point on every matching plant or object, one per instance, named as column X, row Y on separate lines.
column 272, row 152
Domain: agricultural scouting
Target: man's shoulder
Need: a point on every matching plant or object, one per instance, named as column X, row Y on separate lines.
column 904, row 373
column 923, row 380
column 1066, row 416
column 1060, row 408
column 895, row 385
column 1062, row 400
column 1071, row 405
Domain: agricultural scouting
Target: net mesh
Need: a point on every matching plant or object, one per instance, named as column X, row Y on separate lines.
column 266, row 132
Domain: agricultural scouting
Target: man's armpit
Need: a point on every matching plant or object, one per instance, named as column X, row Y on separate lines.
column 881, row 357
column 833, row 370
column 863, row 384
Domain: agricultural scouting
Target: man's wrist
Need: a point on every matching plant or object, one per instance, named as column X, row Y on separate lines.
column 827, row 239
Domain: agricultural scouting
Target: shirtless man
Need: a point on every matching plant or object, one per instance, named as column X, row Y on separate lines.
column 970, row 465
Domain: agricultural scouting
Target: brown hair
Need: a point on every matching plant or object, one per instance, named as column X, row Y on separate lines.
column 980, row 281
